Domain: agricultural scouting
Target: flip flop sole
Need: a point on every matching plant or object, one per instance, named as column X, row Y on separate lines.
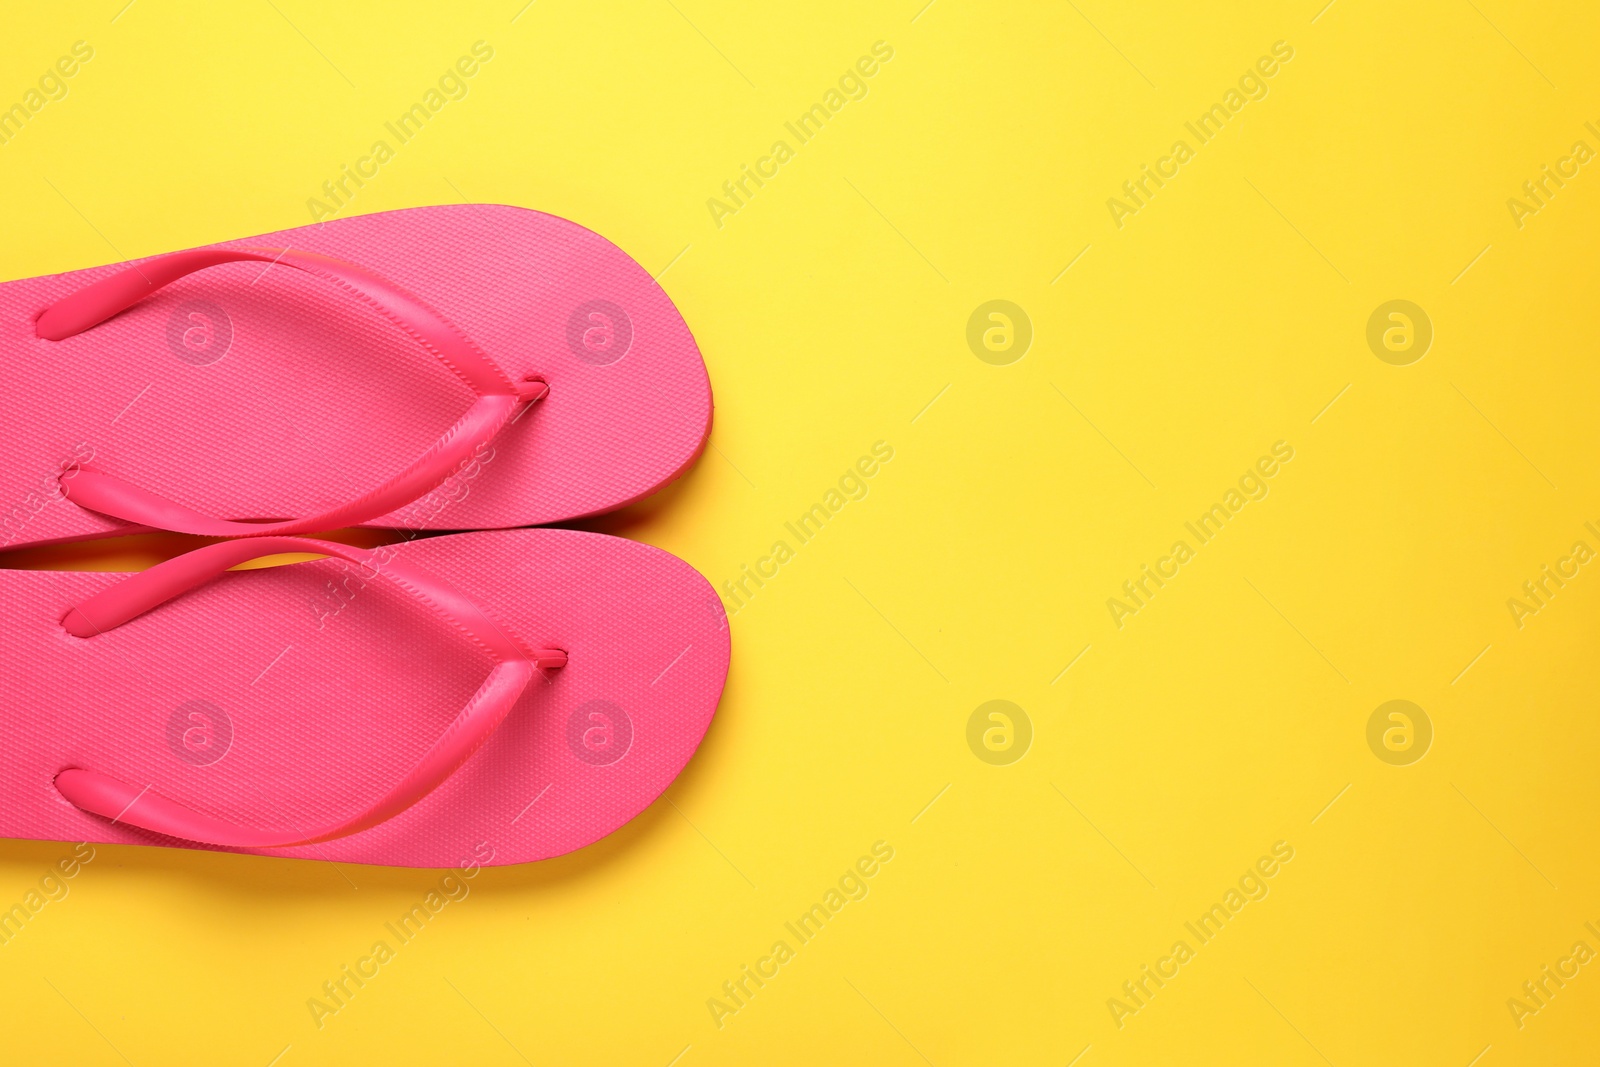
column 292, row 696
column 247, row 391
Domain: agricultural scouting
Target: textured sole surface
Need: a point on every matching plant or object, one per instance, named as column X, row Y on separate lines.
column 294, row 695
column 251, row 393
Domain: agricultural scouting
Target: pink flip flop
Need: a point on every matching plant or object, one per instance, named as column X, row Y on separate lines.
column 491, row 697
column 459, row 367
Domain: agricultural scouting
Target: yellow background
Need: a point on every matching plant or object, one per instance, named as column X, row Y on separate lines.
column 1227, row 715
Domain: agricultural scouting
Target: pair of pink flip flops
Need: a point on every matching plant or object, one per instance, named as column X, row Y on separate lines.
column 471, row 367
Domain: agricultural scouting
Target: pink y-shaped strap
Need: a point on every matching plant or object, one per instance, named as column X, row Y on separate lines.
column 499, row 397
column 515, row 666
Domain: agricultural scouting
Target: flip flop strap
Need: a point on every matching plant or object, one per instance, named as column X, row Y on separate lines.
column 122, row 802
column 498, row 397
